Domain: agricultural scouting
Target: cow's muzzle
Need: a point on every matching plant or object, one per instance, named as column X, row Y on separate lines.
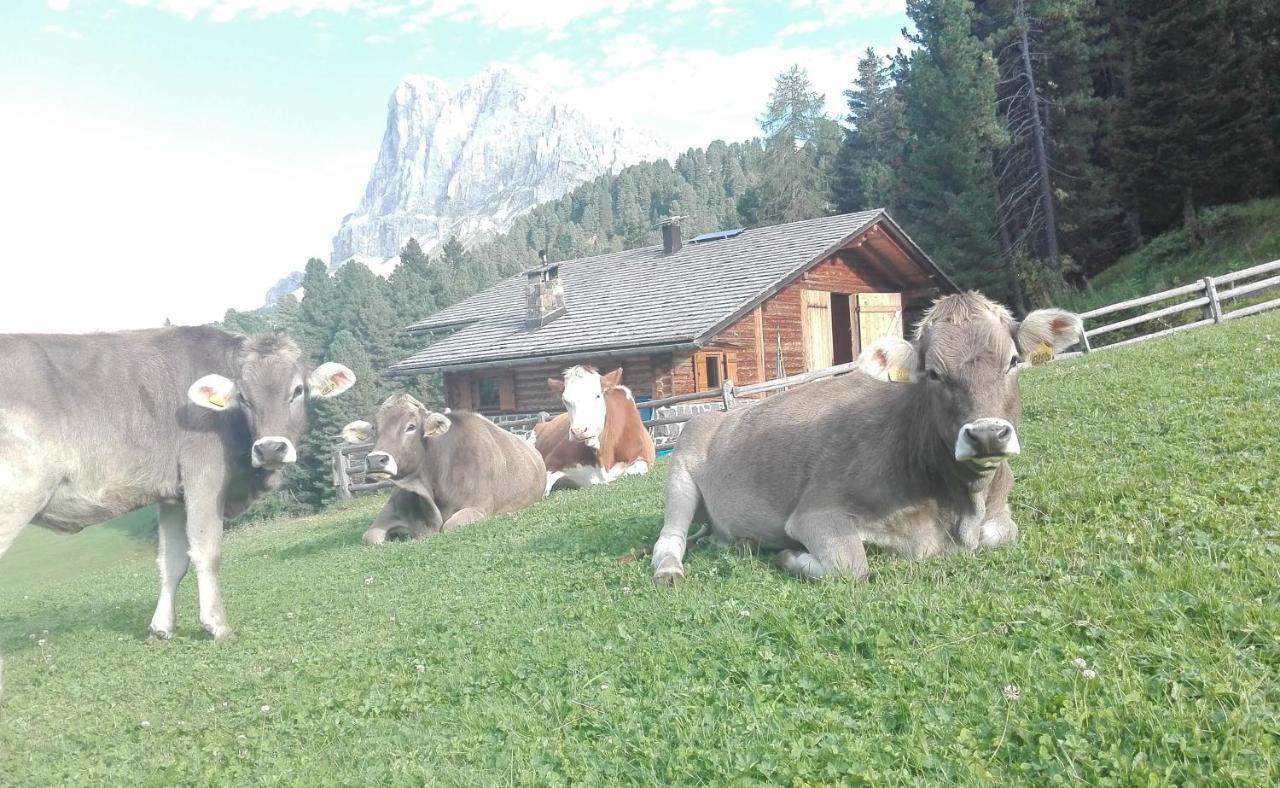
column 273, row 451
column 987, row 442
column 380, row 464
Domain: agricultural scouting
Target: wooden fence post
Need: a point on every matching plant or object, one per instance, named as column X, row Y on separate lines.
column 341, row 473
column 1215, row 306
column 726, row 394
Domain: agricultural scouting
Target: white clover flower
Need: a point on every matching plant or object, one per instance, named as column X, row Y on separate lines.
column 265, row 708
column 368, row 580
column 420, row 668
column 1089, row 675
column 1011, row 692
column 146, row 724
column 744, row 613
column 1080, row 663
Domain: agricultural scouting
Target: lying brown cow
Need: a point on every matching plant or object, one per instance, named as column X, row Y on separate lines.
column 918, row 467
column 600, row 438
column 450, row 470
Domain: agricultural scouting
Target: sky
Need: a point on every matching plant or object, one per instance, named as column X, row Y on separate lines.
column 168, row 159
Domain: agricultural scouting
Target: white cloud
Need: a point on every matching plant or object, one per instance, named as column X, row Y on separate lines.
column 59, row 5
column 502, row 14
column 139, row 226
column 629, row 50
column 377, row 39
column 59, row 30
column 800, row 28
column 689, row 98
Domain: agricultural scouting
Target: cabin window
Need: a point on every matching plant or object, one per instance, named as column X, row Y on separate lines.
column 712, row 368
column 495, row 392
column 487, row 393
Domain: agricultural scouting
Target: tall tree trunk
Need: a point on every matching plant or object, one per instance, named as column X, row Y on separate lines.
column 1190, row 217
column 1010, row 264
column 1042, row 155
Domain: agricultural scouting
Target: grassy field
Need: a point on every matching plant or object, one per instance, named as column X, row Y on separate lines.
column 1131, row 638
column 41, row 557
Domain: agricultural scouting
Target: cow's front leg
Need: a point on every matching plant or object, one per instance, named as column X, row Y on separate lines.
column 204, row 540
column 172, row 558
column 462, row 517
column 403, row 510
column 999, row 530
column 831, row 542
column 552, row 478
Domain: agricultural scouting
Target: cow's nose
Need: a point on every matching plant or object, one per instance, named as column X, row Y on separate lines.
column 273, row 451
column 378, row 461
column 990, row 438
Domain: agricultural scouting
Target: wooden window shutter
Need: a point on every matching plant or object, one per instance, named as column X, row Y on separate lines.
column 462, row 399
column 731, row 367
column 700, row 372
column 507, row 391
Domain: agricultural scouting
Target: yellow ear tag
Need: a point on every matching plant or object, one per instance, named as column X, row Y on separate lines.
column 899, row 375
column 216, row 399
column 362, row 436
column 1042, row 354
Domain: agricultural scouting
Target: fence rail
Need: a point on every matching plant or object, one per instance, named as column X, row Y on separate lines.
column 1209, row 297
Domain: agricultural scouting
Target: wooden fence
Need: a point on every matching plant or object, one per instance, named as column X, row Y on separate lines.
column 1209, row 295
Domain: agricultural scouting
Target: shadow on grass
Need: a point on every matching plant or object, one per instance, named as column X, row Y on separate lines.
column 129, row 618
column 347, row 535
column 615, row 538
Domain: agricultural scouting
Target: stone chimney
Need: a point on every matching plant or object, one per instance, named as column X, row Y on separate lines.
column 671, row 240
column 543, row 295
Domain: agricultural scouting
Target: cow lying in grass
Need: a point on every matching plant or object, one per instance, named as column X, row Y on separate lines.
column 918, row 467
column 449, row 470
column 600, row 438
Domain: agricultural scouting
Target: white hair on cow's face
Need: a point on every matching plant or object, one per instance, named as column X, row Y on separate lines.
column 584, row 400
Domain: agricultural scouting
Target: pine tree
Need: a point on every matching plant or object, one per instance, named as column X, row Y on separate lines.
column 793, row 183
column 874, row 143
column 948, row 195
column 1194, row 127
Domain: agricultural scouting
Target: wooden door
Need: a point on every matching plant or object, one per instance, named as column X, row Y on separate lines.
column 816, row 328
column 878, row 314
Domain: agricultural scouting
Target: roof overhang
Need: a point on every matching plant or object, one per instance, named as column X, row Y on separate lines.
column 556, row 358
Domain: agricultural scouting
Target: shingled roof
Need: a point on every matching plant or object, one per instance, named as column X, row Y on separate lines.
column 643, row 301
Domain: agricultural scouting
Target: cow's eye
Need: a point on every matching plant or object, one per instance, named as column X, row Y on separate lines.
column 297, row 391
column 411, row 427
column 934, row 375
column 1013, row 363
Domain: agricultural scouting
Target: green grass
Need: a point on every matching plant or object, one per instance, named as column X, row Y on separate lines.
column 1151, row 549
column 40, row 557
column 1236, row 236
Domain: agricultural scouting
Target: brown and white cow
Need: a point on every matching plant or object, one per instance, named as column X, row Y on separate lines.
column 918, row 466
column 600, row 438
column 450, row 469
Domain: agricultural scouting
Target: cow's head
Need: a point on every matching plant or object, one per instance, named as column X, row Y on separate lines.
column 400, row 432
column 583, row 390
column 965, row 357
column 271, row 391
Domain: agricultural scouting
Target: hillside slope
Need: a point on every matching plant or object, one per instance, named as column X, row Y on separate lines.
column 524, row 650
column 1236, row 236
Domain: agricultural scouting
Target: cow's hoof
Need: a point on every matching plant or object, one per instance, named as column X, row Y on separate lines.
column 220, row 634
column 160, row 634
column 371, row 538
column 668, row 574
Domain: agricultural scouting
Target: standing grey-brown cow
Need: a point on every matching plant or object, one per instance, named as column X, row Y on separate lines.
column 193, row 418
column 918, row 467
column 450, row 470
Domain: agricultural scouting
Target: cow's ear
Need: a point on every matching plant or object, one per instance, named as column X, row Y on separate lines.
column 556, row 385
column 889, row 358
column 1047, row 332
column 611, row 380
column 357, row 432
column 329, row 380
column 214, row 392
column 435, row 425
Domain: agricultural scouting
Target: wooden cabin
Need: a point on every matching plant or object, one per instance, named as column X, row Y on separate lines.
column 743, row 305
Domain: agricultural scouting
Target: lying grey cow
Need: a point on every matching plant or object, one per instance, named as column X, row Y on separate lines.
column 450, row 470
column 918, row 467
column 193, row 418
